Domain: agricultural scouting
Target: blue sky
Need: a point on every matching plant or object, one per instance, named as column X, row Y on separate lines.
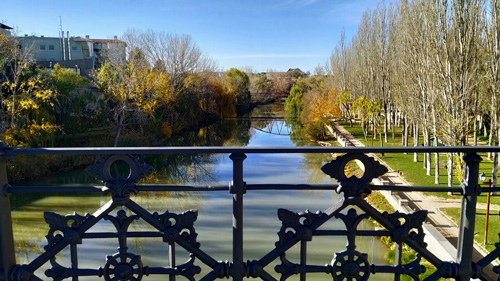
column 261, row 34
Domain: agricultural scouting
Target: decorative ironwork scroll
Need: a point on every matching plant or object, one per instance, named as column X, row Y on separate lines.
column 297, row 228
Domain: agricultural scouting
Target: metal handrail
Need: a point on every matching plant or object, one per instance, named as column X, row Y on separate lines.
column 350, row 264
column 244, row 150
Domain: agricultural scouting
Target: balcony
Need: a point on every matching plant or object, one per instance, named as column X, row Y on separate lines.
column 295, row 230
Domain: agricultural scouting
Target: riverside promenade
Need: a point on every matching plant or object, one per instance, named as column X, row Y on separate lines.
column 441, row 232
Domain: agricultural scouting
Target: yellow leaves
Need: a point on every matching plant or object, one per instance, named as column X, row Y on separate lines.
column 44, row 95
column 26, row 97
column 9, row 136
column 42, row 129
column 319, row 105
column 9, row 86
column 147, row 106
column 26, row 104
column 136, row 88
column 34, row 134
column 166, row 129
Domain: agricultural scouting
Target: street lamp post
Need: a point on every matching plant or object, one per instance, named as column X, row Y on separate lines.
column 482, row 177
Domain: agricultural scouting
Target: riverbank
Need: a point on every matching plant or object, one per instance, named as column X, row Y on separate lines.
column 441, row 232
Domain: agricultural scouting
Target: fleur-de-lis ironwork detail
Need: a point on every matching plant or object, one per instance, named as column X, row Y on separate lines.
column 351, row 221
column 67, row 225
column 296, row 224
column 121, row 221
column 189, row 269
column 179, row 226
column 286, row 268
column 353, row 186
column 57, row 272
column 414, row 269
column 120, row 187
column 405, row 230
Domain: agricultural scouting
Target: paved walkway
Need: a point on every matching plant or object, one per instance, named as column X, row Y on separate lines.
column 432, row 204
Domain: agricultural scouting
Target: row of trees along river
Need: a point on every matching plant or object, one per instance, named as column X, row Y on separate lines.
column 430, row 66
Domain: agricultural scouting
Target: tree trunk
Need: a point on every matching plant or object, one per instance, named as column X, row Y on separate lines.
column 436, row 168
column 475, row 130
column 427, row 156
column 495, row 165
column 393, row 119
column 493, row 126
column 415, row 141
column 449, row 166
column 436, row 143
column 386, row 121
column 494, row 171
column 118, row 129
column 403, row 133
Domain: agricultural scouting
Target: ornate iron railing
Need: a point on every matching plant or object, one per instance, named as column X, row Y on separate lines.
column 179, row 230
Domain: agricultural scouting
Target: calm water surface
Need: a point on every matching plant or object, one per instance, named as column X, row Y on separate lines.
column 214, row 223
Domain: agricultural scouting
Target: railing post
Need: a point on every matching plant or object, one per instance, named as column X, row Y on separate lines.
column 7, row 253
column 237, row 188
column 468, row 215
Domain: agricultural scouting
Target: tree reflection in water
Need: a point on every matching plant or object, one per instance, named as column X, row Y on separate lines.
column 30, row 227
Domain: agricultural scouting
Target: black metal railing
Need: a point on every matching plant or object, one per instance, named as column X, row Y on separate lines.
column 179, row 229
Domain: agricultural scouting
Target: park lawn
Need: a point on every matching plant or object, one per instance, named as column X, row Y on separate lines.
column 415, row 174
column 493, row 225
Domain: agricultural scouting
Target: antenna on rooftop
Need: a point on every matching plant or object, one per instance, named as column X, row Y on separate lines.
column 60, row 24
column 61, row 40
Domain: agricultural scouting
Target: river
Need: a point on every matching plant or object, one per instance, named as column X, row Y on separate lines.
column 214, row 223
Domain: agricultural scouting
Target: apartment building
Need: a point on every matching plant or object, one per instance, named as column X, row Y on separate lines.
column 5, row 29
column 81, row 53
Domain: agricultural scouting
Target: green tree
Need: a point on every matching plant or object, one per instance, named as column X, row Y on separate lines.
column 72, row 95
column 238, row 84
column 369, row 111
column 344, row 102
column 293, row 103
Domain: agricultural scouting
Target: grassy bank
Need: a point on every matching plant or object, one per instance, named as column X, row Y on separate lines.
column 416, row 175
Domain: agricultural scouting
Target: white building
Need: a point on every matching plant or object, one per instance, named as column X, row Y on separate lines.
column 4, row 29
column 83, row 54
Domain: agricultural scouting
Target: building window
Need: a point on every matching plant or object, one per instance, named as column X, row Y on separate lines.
column 42, row 47
column 74, row 48
column 51, row 47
